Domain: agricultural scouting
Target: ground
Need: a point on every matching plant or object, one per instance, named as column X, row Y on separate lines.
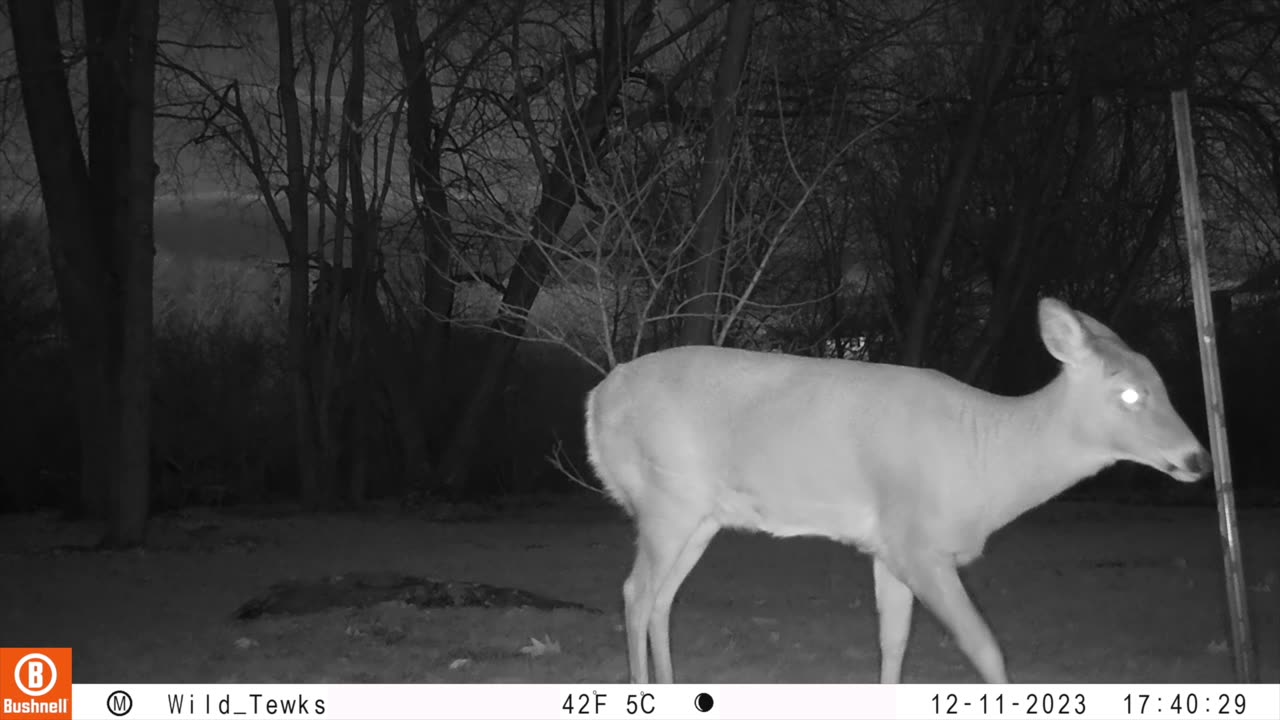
column 1076, row 592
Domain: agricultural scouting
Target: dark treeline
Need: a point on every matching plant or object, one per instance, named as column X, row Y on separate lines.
column 476, row 208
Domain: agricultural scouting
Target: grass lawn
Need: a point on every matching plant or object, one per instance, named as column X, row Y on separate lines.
column 1076, row 592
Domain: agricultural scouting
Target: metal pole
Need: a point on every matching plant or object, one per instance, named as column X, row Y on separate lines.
column 1228, row 529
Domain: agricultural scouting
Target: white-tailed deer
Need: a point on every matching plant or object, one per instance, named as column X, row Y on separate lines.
column 911, row 466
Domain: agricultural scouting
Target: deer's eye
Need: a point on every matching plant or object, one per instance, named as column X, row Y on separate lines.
column 1130, row 396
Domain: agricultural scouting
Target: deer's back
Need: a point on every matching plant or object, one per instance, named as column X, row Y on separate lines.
column 788, row 445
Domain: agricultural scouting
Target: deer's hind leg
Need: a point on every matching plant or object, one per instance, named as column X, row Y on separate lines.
column 668, row 543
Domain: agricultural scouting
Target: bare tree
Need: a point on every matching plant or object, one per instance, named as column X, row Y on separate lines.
column 296, row 233
column 705, row 279
column 100, row 233
column 425, row 135
column 332, row 192
column 1000, row 25
column 583, row 129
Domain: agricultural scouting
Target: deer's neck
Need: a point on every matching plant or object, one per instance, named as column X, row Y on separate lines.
column 1033, row 451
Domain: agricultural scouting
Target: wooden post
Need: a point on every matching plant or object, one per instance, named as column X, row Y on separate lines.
column 1237, row 604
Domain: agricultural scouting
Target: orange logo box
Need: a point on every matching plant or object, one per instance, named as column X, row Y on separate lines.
column 35, row 683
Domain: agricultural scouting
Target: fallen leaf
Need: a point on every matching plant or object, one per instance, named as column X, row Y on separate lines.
column 538, row 648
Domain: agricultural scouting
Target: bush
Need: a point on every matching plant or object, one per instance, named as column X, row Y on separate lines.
column 37, row 420
column 221, row 429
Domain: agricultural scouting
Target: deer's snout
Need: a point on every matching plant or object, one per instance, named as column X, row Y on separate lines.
column 1199, row 462
column 1192, row 466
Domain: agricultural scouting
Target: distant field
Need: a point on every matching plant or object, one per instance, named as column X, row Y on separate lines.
column 1075, row 592
column 217, row 226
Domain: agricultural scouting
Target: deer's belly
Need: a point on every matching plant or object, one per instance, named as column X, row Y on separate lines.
column 794, row 514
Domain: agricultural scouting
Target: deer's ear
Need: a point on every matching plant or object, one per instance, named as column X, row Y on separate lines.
column 1097, row 329
column 1064, row 336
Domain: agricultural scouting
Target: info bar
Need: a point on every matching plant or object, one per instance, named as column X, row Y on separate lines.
column 652, row 702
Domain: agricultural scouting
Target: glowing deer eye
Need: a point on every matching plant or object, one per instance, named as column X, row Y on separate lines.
column 1130, row 396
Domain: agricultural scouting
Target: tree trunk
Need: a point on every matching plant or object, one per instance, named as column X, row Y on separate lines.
column 312, row 486
column 100, row 238
column 1019, row 261
column 135, row 255
column 581, row 135
column 387, row 358
column 432, row 205
column 702, row 307
column 997, row 47
column 363, row 246
column 1032, row 240
column 531, row 268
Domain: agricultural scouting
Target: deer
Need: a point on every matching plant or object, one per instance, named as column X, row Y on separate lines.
column 910, row 466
